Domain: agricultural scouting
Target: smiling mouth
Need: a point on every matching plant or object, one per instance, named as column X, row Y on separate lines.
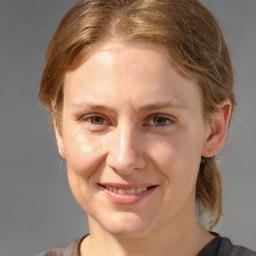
column 127, row 194
column 130, row 191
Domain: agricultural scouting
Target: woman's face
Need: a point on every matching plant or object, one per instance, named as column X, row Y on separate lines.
column 133, row 135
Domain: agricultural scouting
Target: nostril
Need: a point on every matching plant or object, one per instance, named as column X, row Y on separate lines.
column 125, row 164
column 115, row 170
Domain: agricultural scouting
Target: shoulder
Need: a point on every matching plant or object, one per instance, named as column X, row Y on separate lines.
column 71, row 250
column 226, row 248
column 53, row 252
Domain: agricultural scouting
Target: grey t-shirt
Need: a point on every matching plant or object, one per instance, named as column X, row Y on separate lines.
column 219, row 246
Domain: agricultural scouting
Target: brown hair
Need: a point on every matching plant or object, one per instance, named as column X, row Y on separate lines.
column 187, row 31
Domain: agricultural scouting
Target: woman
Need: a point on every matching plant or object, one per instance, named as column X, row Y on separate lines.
column 141, row 94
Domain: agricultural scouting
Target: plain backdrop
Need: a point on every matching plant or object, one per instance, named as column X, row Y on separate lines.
column 37, row 209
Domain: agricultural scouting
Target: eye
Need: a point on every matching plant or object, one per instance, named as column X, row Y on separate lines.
column 159, row 120
column 95, row 123
column 96, row 120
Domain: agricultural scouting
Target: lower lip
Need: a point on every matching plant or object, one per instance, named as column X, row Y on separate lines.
column 128, row 199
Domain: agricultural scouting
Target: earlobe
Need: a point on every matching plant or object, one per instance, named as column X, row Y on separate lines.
column 218, row 124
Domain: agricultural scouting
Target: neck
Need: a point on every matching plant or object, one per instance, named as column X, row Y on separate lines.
column 180, row 239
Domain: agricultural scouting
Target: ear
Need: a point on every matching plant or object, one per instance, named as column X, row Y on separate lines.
column 218, row 124
column 59, row 138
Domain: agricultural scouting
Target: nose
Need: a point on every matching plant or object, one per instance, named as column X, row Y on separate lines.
column 125, row 153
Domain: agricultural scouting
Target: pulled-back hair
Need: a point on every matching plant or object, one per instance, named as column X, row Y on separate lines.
column 187, row 31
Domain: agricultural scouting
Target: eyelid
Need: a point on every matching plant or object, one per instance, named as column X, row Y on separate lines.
column 88, row 116
column 107, row 121
column 166, row 116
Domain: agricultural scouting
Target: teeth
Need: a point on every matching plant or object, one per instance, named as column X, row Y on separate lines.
column 138, row 190
column 131, row 191
column 122, row 191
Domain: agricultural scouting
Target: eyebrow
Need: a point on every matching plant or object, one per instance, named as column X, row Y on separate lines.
column 145, row 108
column 91, row 106
column 161, row 105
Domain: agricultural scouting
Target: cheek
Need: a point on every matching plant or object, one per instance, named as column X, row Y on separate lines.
column 178, row 157
column 83, row 154
column 171, row 149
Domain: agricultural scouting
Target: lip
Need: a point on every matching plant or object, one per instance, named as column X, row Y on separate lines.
column 127, row 186
column 127, row 198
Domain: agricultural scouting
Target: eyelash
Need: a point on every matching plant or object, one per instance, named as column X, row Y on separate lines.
column 149, row 121
column 88, row 120
column 164, row 119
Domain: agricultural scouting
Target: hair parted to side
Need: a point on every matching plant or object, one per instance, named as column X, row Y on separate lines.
column 187, row 31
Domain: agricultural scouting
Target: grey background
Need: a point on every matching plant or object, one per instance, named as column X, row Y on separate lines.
column 37, row 209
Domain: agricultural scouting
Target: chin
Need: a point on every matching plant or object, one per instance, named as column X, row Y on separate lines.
column 125, row 225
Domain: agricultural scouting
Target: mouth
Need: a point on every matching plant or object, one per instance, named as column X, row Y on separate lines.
column 130, row 191
column 127, row 194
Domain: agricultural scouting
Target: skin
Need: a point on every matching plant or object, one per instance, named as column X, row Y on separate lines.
column 130, row 119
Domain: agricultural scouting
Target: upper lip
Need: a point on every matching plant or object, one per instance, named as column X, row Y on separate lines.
column 127, row 186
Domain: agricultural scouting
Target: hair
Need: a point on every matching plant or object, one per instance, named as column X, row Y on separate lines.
column 188, row 32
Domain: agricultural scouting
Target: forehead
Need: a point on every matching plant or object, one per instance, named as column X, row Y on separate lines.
column 125, row 58
column 133, row 69
column 129, row 56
